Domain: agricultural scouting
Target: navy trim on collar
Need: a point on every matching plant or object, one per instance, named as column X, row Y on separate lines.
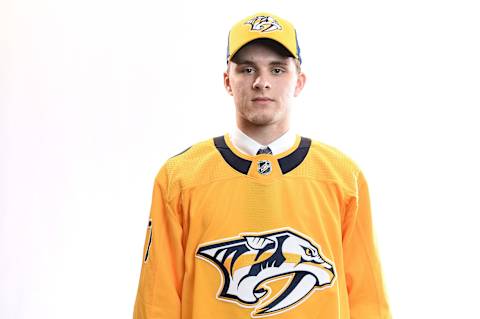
column 295, row 158
column 242, row 165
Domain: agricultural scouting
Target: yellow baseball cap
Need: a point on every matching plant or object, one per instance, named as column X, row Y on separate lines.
column 263, row 25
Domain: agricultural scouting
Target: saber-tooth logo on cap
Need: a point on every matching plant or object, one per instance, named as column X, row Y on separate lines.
column 251, row 263
column 263, row 24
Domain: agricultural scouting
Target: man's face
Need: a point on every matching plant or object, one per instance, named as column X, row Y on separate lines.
column 263, row 84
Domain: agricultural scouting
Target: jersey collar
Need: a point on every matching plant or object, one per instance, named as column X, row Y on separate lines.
column 280, row 163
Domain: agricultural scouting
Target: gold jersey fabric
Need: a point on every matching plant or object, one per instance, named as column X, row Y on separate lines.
column 265, row 236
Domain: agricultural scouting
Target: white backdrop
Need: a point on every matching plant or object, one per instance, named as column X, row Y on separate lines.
column 95, row 95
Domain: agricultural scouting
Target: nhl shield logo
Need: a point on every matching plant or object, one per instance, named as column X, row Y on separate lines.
column 264, row 167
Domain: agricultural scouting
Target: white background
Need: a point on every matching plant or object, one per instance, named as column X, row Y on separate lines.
column 95, row 95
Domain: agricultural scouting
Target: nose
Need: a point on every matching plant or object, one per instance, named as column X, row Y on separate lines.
column 261, row 82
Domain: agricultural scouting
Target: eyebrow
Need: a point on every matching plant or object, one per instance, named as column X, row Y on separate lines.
column 271, row 63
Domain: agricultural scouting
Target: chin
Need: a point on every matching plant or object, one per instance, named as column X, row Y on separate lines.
column 261, row 119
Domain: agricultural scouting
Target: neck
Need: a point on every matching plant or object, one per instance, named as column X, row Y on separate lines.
column 263, row 134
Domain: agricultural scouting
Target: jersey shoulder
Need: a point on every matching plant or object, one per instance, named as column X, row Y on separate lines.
column 333, row 156
column 328, row 163
column 196, row 165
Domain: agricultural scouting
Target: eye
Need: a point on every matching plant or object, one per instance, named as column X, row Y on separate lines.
column 248, row 70
column 277, row 71
column 308, row 251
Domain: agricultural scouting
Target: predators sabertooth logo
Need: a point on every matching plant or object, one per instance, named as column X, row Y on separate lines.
column 263, row 24
column 250, row 262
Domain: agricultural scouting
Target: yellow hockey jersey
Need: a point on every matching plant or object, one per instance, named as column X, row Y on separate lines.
column 283, row 236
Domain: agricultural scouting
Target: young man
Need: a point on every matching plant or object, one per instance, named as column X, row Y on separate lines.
column 261, row 222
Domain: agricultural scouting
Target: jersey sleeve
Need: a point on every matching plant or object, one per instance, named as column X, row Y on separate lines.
column 159, row 289
column 366, row 293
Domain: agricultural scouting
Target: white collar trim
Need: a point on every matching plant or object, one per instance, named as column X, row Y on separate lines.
column 249, row 146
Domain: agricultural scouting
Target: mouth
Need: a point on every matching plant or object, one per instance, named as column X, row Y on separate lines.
column 300, row 286
column 262, row 100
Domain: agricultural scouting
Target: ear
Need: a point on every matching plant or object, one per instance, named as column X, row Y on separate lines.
column 226, row 83
column 301, row 79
